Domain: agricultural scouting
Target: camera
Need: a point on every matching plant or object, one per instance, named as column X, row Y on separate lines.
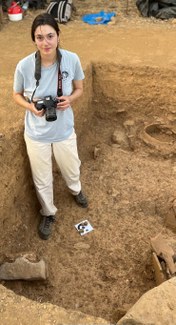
column 49, row 105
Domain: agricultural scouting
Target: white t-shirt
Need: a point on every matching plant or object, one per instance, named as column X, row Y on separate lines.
column 37, row 128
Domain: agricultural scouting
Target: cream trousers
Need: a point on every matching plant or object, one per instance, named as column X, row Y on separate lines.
column 40, row 157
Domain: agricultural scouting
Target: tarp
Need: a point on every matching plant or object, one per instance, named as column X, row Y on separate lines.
column 162, row 9
column 98, row 18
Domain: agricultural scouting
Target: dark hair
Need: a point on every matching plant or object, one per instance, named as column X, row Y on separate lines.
column 44, row 19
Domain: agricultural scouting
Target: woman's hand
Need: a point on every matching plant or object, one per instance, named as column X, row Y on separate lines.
column 66, row 101
column 34, row 110
column 63, row 103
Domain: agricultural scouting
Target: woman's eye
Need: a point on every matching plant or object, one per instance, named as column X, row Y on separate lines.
column 39, row 38
column 50, row 36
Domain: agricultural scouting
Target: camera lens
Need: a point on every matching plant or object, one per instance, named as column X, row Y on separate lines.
column 51, row 114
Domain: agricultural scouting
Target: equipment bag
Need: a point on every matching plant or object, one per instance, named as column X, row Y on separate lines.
column 61, row 10
column 35, row 4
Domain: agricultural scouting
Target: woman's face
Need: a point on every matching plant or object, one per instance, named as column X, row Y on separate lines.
column 46, row 40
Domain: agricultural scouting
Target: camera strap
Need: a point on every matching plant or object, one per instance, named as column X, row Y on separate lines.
column 37, row 73
column 59, row 84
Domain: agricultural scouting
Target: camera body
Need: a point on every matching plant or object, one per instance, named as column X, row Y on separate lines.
column 49, row 105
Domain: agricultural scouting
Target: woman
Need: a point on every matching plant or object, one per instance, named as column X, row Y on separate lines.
column 46, row 83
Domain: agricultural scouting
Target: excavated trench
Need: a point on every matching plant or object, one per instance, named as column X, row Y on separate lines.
column 126, row 136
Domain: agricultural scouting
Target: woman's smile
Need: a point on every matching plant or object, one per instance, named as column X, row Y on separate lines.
column 47, row 49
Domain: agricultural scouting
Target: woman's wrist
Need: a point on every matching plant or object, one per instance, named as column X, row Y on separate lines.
column 70, row 99
column 28, row 106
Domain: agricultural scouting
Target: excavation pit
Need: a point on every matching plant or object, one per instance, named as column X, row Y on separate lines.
column 128, row 186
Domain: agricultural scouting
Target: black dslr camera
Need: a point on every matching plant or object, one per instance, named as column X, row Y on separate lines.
column 49, row 105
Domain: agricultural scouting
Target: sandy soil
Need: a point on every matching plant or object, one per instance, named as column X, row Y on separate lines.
column 129, row 183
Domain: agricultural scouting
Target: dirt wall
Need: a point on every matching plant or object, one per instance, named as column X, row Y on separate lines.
column 142, row 92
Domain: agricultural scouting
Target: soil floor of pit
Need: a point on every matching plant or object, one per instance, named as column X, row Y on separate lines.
column 128, row 190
